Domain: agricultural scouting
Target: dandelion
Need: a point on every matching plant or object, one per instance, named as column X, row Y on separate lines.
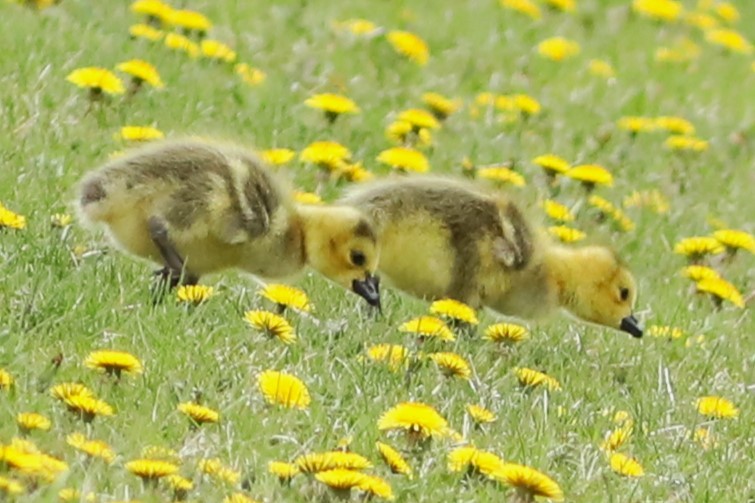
column 701, row 20
column 180, row 486
column 684, row 52
column 665, row 331
column 562, row 5
column 529, row 482
column 730, row 40
column 140, row 133
column 303, row 197
column 403, row 133
column 695, row 248
column 502, row 174
column 273, row 325
column 635, row 124
column 590, row 175
column 394, row 460
column 199, row 414
column 28, row 421
column 10, row 487
column 652, row 199
column 87, row 407
column 357, row 27
column 67, row 390
column 454, row 310
column 73, row 495
column 10, row 219
column 480, row 414
column 553, row 165
column 417, row 419
column 285, row 296
column 685, row 144
column 566, row 234
column 277, row 156
column 157, row 12
column 283, row 389
column 716, row 407
column 404, row 159
column 393, row 355
column 533, row 378
column 617, row 437
column 526, row 7
column 557, row 211
column 97, row 80
column 353, row 172
column 440, row 106
column 217, row 50
column 92, row 448
column 249, row 74
column 159, row 452
column 676, row 125
column 727, row 11
column 146, row 32
column 340, row 479
column 181, row 43
column 409, row 45
column 473, row 460
column 151, row 470
column 61, row 220
column 329, row 155
column 558, row 48
column 194, row 294
column 699, row 272
column 525, row 104
column 217, row 470
column 316, row 462
column 428, row 326
column 608, row 209
column 6, row 380
column 239, row 498
column 332, row 105
column 141, row 72
column 601, row 68
column 626, row 466
column 735, row 240
column 372, row 485
column 419, row 119
column 451, row 364
column 190, row 21
column 661, row 10
column 284, row 471
column 721, row 290
column 113, row 362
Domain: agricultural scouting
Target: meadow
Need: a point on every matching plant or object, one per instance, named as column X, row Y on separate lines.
column 659, row 94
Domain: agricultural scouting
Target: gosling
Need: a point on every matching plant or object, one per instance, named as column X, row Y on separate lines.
column 197, row 207
column 444, row 238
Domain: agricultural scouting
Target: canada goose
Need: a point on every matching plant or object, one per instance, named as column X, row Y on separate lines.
column 446, row 238
column 197, row 207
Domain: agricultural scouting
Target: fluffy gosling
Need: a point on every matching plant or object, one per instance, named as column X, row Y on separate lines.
column 197, row 207
column 448, row 238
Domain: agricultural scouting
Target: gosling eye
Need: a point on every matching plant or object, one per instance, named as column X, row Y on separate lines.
column 624, row 293
column 358, row 258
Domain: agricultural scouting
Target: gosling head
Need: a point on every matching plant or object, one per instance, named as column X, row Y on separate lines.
column 601, row 290
column 341, row 243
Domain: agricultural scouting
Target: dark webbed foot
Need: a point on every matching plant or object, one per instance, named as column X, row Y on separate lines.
column 174, row 273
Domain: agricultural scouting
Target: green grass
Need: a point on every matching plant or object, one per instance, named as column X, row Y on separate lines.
column 53, row 304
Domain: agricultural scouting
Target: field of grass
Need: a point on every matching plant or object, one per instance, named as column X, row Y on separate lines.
column 64, row 292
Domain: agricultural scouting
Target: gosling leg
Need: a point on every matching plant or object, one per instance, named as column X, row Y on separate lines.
column 174, row 273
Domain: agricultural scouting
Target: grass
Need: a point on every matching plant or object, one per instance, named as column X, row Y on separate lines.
column 53, row 304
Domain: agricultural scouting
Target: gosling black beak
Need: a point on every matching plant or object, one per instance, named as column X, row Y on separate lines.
column 368, row 289
column 631, row 326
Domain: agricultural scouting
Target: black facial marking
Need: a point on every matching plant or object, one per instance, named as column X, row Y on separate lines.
column 364, row 230
column 92, row 191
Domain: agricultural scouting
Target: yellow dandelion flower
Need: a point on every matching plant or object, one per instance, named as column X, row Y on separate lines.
column 701, row 20
column 601, row 68
column 566, row 234
column 529, row 481
column 287, row 296
column 558, row 48
column 215, row 468
column 526, row 7
column 729, row 39
column 652, row 199
column 665, row 331
column 734, row 240
column 160, row 452
column 459, row 459
column 455, row 310
column 373, row 485
column 727, row 11
column 622, row 417
column 404, row 159
column 414, row 417
column 357, row 27
column 273, row 325
column 277, row 156
column 608, row 209
column 239, row 498
column 61, row 220
column 146, row 31
column 283, row 389
column 617, row 437
column 151, row 469
column 404, row 133
column 340, row 479
column 480, row 414
column 409, row 45
column 303, row 197
column 533, row 378
column 685, row 144
column 721, row 290
column 704, row 438
column 113, row 362
column 97, row 80
column 626, row 466
column 394, row 460
column 419, row 119
column 525, row 104
column 6, row 380
column 676, row 125
column 508, row 333
column 141, row 71
column 28, row 421
column 154, row 9
column 428, row 326
column 637, row 124
column 189, row 20
column 282, row 470
column 557, row 211
column 67, row 390
column 73, row 495
column 333, row 105
column 698, row 246
column 353, row 172
column 316, row 462
column 662, row 10
column 140, row 133
column 473, row 460
column 182, row 43
column 249, row 74
column 451, row 364
column 92, row 448
column 87, row 407
column 217, row 50
column 199, row 413
column 180, row 485
column 440, row 106
column 326, row 154
column 562, row 5
column 590, row 175
column 552, row 163
column 10, row 487
column 502, row 174
column 392, row 354
column 194, row 294
column 684, row 51
column 11, row 220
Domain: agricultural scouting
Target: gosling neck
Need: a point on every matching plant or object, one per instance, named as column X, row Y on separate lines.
column 562, row 283
column 310, row 218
